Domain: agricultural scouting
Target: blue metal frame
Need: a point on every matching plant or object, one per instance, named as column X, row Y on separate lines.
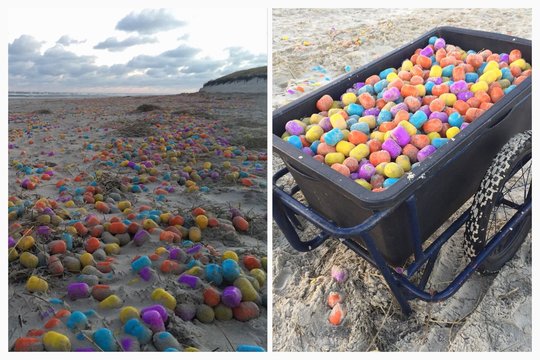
column 286, row 208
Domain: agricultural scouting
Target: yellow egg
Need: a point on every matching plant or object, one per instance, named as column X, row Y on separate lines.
column 363, row 183
column 164, row 298
column 128, row 312
column 112, row 249
column 407, row 65
column 194, row 234
column 201, row 221
column 433, row 135
column 26, row 243
column 344, row 147
column 55, row 341
column 393, row 170
column 36, row 284
column 111, row 302
column 334, row 158
column 229, row 254
column 359, row 152
column 452, row 132
column 436, row 71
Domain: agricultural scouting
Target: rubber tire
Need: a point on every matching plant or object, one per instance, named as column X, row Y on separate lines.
column 500, row 171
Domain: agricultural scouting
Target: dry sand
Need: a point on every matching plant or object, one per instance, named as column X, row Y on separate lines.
column 489, row 313
column 114, row 118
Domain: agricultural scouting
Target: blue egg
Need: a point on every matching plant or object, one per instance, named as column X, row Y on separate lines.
column 384, row 116
column 366, row 89
column 213, row 274
column 383, row 74
column 135, row 328
column 508, row 89
column 438, row 142
column 455, row 119
column 471, row 77
column 333, row 137
column 104, row 339
column 361, row 126
column 389, row 182
column 68, row 239
column 354, row 109
column 295, row 141
column 447, row 71
column 507, row 74
column 432, row 40
column 429, row 86
column 481, row 68
column 418, row 119
column 77, row 320
column 140, row 263
column 249, row 348
column 314, row 146
column 231, row 270
column 380, row 86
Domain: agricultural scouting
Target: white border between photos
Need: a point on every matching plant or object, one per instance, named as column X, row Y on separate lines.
column 136, row 4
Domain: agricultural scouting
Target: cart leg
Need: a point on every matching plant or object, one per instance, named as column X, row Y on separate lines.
column 386, row 273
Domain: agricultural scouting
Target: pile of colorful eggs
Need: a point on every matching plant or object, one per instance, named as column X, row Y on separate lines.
column 382, row 128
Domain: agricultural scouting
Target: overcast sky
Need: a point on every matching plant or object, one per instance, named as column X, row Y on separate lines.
column 131, row 51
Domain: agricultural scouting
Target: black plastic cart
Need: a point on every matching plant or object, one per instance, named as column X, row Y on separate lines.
column 490, row 159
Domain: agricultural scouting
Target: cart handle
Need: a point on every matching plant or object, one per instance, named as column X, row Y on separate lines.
column 283, row 203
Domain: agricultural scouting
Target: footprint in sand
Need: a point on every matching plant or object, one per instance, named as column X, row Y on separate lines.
column 282, row 279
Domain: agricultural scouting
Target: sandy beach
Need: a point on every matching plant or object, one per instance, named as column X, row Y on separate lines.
column 489, row 313
column 170, row 193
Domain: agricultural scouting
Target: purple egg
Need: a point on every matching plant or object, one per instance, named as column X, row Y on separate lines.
column 189, row 280
column 159, row 308
column 194, row 249
column 401, row 136
column 427, row 51
column 294, row 128
column 401, row 106
column 43, row 230
column 129, row 344
column 307, row 150
column 78, row 291
column 145, row 273
column 153, row 319
column 435, row 80
column 392, row 147
column 439, row 44
column 425, row 152
column 326, row 124
column 504, row 57
column 374, row 111
column 354, row 176
column 235, row 212
column 363, row 161
column 141, row 237
column 465, row 95
column 391, row 94
column 358, row 85
column 464, row 125
column 439, row 115
column 366, row 171
column 231, row 296
column 11, row 241
column 425, row 110
column 459, row 86
column 338, row 273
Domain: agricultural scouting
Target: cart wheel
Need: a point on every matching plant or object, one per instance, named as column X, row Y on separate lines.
column 505, row 187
